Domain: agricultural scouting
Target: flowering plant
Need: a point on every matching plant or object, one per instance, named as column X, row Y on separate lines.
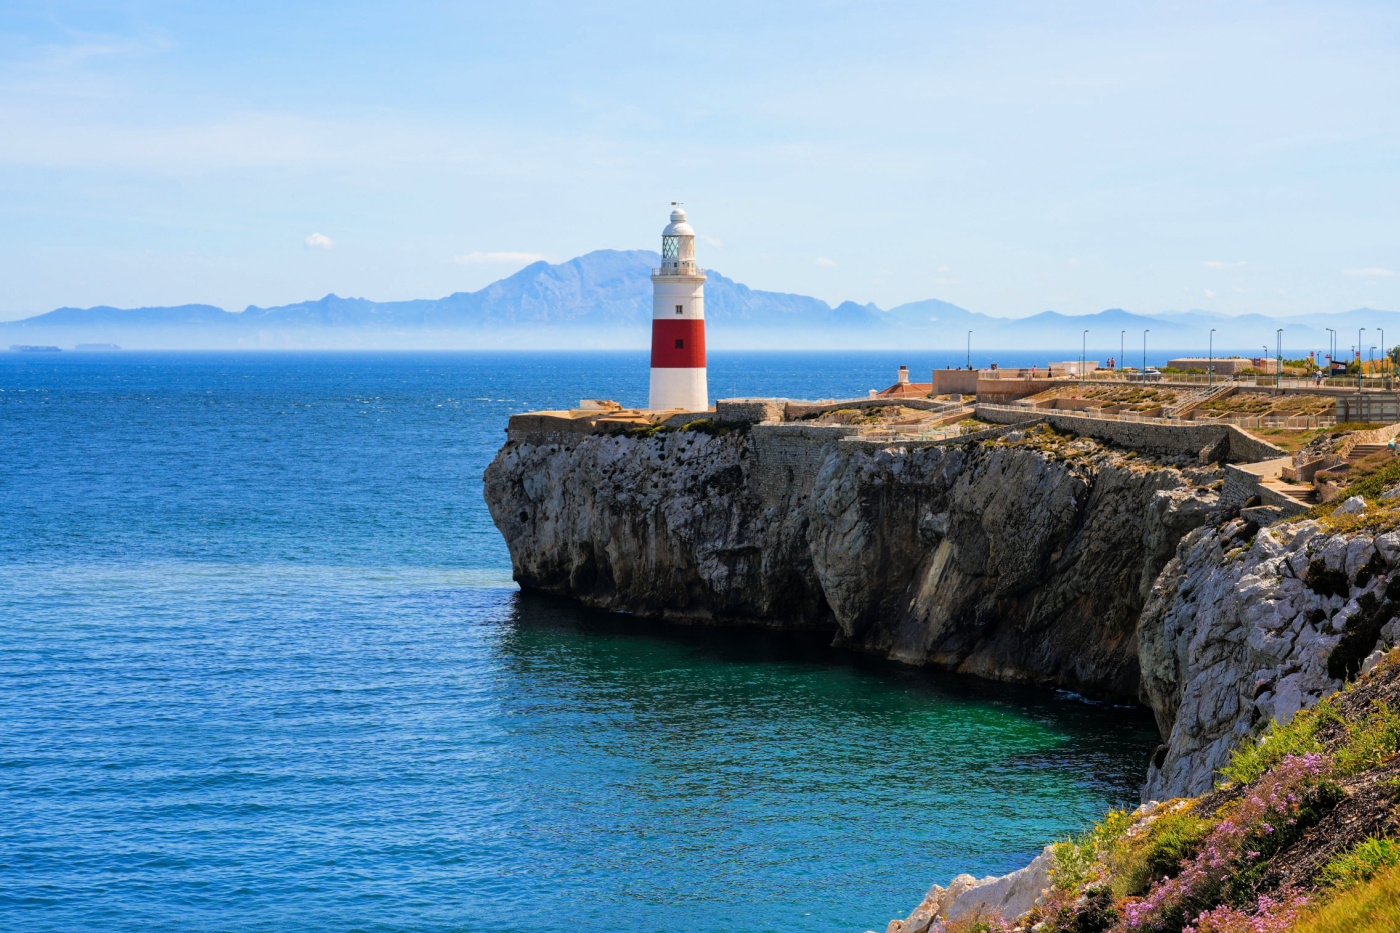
column 1232, row 856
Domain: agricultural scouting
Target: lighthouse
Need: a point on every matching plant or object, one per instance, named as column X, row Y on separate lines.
column 678, row 322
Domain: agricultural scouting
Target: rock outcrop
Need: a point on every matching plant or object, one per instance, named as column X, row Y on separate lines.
column 1240, row 631
column 1023, row 558
column 1010, row 895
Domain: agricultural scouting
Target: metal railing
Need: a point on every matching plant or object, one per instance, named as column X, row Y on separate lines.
column 1299, row 423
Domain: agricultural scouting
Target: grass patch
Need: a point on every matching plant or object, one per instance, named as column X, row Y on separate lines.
column 1366, row 860
column 1171, row 839
column 1299, row 737
column 1075, row 859
column 1373, row 905
column 1368, row 742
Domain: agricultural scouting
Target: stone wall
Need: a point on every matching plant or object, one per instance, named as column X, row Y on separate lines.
column 752, row 410
column 1145, row 435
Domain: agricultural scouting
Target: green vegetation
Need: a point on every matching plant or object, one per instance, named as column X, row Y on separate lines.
column 1230, row 862
column 1174, row 837
column 1374, row 905
column 718, row 428
column 1279, row 406
column 1360, row 864
column 1368, row 743
column 1299, row 737
column 1075, row 859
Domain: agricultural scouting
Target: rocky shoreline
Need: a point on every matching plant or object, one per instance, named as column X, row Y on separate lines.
column 1025, row 554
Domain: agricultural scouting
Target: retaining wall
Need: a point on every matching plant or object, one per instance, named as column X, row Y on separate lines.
column 1189, row 438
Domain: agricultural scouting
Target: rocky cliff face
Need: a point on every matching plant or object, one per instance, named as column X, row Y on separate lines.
column 1025, row 558
column 1240, row 631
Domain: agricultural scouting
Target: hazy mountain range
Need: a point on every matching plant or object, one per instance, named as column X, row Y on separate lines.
column 603, row 300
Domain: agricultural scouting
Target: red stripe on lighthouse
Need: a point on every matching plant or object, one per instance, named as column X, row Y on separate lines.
column 677, row 344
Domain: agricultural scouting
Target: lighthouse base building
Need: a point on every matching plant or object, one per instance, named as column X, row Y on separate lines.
column 678, row 323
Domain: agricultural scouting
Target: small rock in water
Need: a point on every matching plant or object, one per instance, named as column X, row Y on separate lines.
column 1353, row 506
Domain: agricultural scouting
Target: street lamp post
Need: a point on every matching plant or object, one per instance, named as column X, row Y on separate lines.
column 1385, row 370
column 1278, row 361
column 1210, row 368
column 1359, row 332
column 1331, row 350
column 1144, row 356
column 969, row 349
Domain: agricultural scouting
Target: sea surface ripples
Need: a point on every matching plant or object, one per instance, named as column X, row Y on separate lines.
column 263, row 668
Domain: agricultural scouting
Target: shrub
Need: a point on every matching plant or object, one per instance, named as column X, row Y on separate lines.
column 1362, row 632
column 1268, row 916
column 1326, row 582
column 717, row 428
column 1276, row 811
column 1361, row 863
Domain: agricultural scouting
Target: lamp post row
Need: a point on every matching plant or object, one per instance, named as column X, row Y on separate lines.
column 1210, row 367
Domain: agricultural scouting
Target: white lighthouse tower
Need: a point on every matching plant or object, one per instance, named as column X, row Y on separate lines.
column 678, row 322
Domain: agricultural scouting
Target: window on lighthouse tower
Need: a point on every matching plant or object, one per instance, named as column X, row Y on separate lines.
column 680, row 344
column 670, row 247
column 680, row 309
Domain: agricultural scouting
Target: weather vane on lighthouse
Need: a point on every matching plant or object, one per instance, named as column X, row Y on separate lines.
column 678, row 322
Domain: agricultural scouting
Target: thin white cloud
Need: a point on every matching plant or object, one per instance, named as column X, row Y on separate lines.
column 1209, row 293
column 499, row 258
column 319, row 241
column 1370, row 273
column 826, row 263
column 714, row 241
column 1217, row 264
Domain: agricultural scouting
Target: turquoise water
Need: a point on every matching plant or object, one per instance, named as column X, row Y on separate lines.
column 263, row 668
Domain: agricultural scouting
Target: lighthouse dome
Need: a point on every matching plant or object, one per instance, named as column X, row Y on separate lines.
column 678, row 226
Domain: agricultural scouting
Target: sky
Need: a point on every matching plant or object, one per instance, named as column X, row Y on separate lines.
column 1008, row 157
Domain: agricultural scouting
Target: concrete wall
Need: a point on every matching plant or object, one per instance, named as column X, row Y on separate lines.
column 997, row 391
column 949, row 381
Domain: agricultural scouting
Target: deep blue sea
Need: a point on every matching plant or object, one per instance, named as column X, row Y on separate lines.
column 262, row 667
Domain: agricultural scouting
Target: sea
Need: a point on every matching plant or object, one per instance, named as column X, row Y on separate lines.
column 263, row 668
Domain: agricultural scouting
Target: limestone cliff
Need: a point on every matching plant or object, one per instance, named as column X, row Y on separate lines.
column 1022, row 557
column 1241, row 630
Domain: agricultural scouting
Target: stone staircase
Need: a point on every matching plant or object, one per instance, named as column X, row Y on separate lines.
column 1303, row 495
column 1360, row 451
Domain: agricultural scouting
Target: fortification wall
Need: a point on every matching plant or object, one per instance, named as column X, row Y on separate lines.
column 789, row 456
